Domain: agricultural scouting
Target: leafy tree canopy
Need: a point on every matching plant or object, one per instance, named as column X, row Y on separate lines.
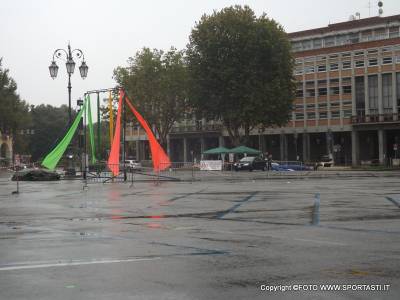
column 13, row 110
column 156, row 82
column 240, row 70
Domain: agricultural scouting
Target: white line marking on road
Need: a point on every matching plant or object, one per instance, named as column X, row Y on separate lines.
column 73, row 263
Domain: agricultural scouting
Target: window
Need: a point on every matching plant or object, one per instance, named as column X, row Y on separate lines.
column 322, row 68
column 386, row 60
column 372, row 62
column 335, row 104
column 306, row 44
column 398, row 59
column 334, row 90
column 322, row 82
column 354, row 38
column 322, row 92
column 310, row 106
column 309, row 69
column 299, row 93
column 310, row 84
column 387, row 90
column 393, row 32
column 346, row 80
column 317, row 43
column 334, row 81
column 323, row 115
column 330, row 41
column 359, row 63
column 346, row 65
column 347, row 102
column 311, row 115
column 335, row 114
column 299, row 116
column 346, row 54
column 346, row 89
column 342, row 39
column 372, row 51
column 309, row 59
column 298, row 71
column 334, row 66
column 360, row 93
column 333, row 56
column 296, row 46
column 310, row 93
column 359, row 53
column 380, row 33
column 347, row 113
column 322, row 105
column 298, row 106
column 373, row 91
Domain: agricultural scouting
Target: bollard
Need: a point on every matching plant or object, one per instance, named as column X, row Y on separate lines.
column 315, row 213
column 17, row 191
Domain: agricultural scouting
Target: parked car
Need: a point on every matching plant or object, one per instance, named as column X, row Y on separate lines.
column 290, row 167
column 325, row 161
column 133, row 165
column 250, row 163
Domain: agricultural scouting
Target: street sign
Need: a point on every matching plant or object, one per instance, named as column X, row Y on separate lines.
column 395, row 147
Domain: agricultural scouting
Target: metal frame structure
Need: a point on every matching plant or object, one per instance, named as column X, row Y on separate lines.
column 86, row 171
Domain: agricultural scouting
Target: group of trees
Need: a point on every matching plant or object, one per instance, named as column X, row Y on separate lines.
column 34, row 129
column 237, row 69
column 14, row 112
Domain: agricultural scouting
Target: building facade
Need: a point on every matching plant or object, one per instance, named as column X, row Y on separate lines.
column 347, row 101
column 5, row 149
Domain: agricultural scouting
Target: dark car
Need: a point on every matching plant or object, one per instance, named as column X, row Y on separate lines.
column 325, row 161
column 250, row 163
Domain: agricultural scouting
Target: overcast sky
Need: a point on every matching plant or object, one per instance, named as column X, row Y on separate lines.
column 109, row 32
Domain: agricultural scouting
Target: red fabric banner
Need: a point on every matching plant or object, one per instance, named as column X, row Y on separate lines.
column 160, row 159
column 113, row 159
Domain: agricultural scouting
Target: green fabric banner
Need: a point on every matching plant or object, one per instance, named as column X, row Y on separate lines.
column 52, row 159
column 91, row 133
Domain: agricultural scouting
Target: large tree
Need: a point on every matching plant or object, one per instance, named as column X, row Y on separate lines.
column 240, row 70
column 50, row 125
column 14, row 112
column 156, row 82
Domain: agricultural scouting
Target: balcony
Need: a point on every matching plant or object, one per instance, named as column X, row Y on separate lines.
column 374, row 119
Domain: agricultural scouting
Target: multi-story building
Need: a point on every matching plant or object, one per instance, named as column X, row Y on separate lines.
column 347, row 100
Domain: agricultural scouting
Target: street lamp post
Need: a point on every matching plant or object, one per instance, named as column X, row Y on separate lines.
column 70, row 64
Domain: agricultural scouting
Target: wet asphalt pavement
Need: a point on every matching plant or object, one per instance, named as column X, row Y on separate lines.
column 215, row 239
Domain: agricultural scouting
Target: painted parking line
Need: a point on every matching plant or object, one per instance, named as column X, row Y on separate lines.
column 220, row 215
column 394, row 201
column 72, row 263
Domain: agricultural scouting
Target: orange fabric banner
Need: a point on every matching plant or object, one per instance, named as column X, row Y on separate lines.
column 160, row 159
column 113, row 159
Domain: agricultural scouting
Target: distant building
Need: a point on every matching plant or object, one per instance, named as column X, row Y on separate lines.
column 347, row 101
column 5, row 149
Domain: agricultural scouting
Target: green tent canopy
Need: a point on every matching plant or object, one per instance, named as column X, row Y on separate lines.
column 244, row 150
column 218, row 150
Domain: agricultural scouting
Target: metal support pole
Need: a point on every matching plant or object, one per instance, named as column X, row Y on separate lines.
column 123, row 136
column 84, row 142
column 99, row 156
column 69, row 100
